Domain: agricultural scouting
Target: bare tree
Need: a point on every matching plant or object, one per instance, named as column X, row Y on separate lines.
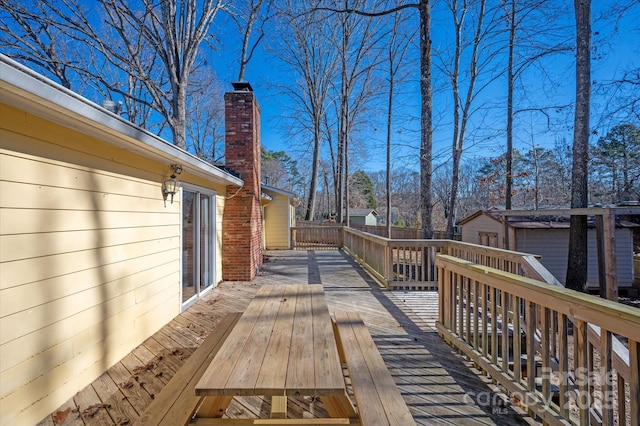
column 155, row 43
column 246, row 16
column 306, row 48
column 30, row 37
column 577, row 262
column 357, row 61
column 474, row 26
column 397, row 48
column 426, row 93
column 205, row 117
column 528, row 23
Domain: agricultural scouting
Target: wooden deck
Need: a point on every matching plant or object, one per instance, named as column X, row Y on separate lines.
column 439, row 386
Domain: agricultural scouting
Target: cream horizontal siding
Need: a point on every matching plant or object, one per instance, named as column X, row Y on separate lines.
column 89, row 261
column 277, row 222
column 483, row 223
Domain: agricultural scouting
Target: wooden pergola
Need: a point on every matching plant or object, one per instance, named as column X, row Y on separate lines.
column 605, row 220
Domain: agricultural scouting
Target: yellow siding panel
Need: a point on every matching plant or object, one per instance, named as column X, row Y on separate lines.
column 89, row 260
column 38, row 269
column 277, row 223
column 26, row 246
column 28, row 196
column 39, row 171
column 26, row 296
column 24, row 221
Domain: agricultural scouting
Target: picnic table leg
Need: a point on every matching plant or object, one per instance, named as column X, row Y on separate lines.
column 339, row 406
column 278, row 407
column 214, row 406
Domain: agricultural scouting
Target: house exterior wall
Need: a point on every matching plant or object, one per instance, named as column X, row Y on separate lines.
column 553, row 246
column 277, row 222
column 89, row 261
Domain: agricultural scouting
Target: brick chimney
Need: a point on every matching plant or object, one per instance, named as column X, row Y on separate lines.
column 242, row 218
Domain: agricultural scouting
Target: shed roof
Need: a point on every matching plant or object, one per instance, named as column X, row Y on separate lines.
column 362, row 212
column 539, row 221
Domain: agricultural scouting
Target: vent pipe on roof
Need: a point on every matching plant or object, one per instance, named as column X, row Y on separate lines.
column 112, row 106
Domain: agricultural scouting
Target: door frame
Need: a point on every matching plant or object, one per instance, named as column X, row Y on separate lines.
column 198, row 190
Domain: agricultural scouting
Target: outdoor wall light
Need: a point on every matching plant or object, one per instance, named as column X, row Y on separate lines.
column 171, row 185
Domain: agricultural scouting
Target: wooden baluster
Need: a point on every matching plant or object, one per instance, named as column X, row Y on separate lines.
column 476, row 296
column 634, row 381
column 545, row 325
column 505, row 330
column 485, row 320
column 460, row 295
column 517, row 350
column 581, row 369
column 494, row 326
column 531, row 346
column 467, row 315
column 606, row 377
column 563, row 365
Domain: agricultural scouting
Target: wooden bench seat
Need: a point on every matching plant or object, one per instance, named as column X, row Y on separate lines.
column 177, row 402
column 378, row 399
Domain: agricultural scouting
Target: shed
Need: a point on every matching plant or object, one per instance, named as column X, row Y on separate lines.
column 94, row 256
column 548, row 237
column 363, row 217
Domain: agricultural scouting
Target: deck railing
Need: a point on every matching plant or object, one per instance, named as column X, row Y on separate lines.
column 401, row 263
column 570, row 358
column 317, row 237
column 536, row 341
column 410, row 264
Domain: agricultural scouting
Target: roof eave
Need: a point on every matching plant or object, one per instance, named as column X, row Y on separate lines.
column 21, row 87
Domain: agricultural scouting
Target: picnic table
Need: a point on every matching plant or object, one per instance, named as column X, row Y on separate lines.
column 283, row 345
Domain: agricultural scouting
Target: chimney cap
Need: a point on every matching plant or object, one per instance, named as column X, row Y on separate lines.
column 242, row 86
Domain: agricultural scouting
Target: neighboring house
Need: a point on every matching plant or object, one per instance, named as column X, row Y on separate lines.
column 279, row 216
column 94, row 257
column 363, row 217
column 548, row 237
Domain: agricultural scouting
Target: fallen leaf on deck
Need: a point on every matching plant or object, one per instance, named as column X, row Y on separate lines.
column 61, row 416
column 92, row 410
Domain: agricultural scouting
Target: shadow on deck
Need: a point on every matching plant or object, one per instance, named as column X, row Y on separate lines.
column 439, row 386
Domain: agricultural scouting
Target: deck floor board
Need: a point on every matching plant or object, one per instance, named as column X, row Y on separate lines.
column 439, row 386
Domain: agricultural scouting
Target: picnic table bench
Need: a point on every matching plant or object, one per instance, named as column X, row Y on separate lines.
column 378, row 399
column 177, row 402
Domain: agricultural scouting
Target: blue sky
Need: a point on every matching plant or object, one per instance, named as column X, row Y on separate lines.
column 615, row 50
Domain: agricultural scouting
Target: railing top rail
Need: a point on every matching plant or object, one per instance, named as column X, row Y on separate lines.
column 485, row 249
column 397, row 242
column 319, row 227
column 588, row 211
column 613, row 316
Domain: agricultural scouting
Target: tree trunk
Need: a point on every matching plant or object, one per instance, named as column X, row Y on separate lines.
column 313, row 186
column 426, row 135
column 389, row 128
column 510, row 84
column 577, row 266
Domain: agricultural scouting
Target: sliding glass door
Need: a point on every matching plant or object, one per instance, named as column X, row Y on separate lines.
column 198, row 243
